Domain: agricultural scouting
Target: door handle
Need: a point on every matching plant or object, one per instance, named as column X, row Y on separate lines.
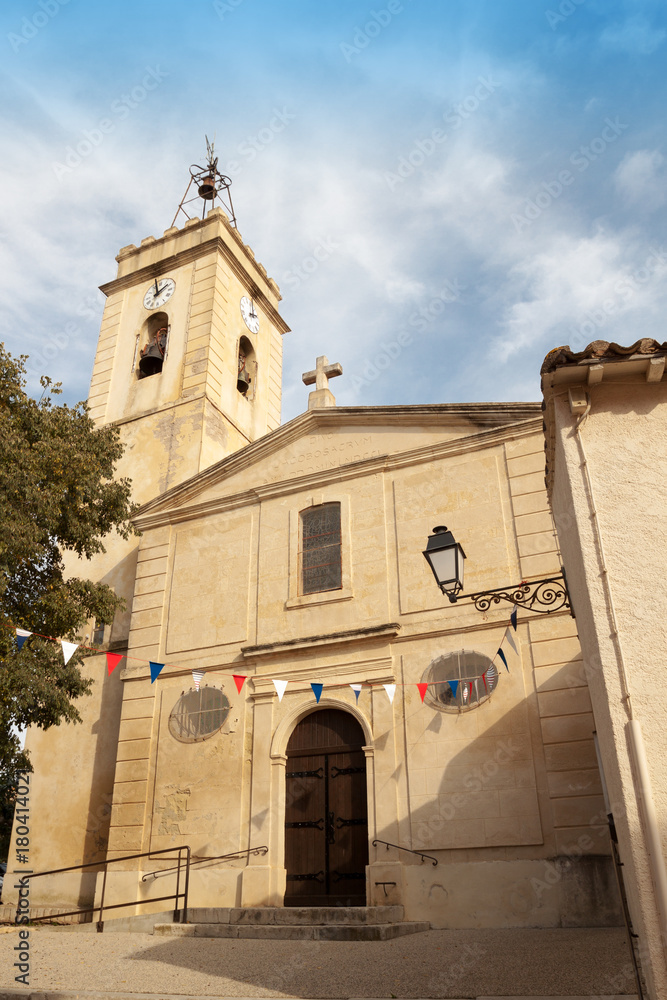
column 331, row 830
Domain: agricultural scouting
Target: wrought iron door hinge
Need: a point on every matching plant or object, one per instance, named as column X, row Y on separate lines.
column 310, row 877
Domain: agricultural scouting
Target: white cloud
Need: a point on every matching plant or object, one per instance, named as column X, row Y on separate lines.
column 634, row 36
column 393, row 251
column 578, row 290
column 641, row 178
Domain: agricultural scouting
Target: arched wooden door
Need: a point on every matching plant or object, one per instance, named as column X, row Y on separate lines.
column 326, row 821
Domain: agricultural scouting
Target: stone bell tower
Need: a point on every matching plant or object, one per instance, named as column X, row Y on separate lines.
column 188, row 366
column 189, row 358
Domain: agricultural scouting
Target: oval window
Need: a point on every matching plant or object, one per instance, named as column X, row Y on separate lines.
column 198, row 715
column 460, row 680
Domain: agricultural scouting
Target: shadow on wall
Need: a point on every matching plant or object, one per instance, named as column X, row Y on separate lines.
column 482, row 789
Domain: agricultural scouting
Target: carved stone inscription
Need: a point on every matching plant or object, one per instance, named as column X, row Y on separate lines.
column 327, row 451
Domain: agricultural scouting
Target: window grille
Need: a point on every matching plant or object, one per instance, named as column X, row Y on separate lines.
column 475, row 672
column 321, row 549
column 198, row 715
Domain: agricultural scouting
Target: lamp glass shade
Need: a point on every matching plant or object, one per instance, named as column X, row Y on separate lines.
column 445, row 557
column 443, row 563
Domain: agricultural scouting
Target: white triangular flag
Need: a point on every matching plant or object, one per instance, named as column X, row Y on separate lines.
column 510, row 639
column 280, row 688
column 69, row 649
column 391, row 691
column 198, row 677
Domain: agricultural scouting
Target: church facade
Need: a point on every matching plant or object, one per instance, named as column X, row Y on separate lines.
column 295, row 690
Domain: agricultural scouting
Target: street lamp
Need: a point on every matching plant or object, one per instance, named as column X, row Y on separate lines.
column 445, row 557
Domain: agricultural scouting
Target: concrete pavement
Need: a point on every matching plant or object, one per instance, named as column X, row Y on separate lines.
column 459, row 964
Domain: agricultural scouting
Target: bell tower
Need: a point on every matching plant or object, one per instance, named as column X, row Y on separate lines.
column 189, row 359
column 188, row 366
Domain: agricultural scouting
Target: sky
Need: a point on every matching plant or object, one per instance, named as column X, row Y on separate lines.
column 444, row 191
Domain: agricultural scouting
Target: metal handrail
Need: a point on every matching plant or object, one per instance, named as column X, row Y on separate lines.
column 200, row 861
column 180, row 916
column 408, row 849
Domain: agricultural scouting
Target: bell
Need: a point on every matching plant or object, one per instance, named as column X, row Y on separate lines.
column 242, row 381
column 151, row 361
column 207, row 188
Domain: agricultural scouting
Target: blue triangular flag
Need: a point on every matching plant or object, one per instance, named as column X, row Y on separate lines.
column 357, row 691
column 454, row 685
column 21, row 636
column 502, row 657
column 317, row 691
column 155, row 670
column 513, row 618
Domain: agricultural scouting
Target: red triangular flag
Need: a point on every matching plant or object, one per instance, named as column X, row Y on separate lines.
column 113, row 659
column 239, row 681
column 422, row 689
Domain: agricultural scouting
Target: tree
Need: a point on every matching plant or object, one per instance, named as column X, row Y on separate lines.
column 57, row 494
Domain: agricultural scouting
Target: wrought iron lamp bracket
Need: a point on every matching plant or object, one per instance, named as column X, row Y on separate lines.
column 543, row 597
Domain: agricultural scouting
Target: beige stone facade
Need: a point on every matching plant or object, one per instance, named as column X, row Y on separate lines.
column 606, row 418
column 505, row 795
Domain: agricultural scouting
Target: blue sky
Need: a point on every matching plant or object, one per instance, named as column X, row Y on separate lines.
column 488, row 180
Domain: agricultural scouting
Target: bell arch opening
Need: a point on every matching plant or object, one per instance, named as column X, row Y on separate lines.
column 246, row 380
column 326, row 818
column 152, row 344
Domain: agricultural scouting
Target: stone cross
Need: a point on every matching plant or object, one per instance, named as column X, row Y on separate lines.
column 322, row 395
column 323, row 372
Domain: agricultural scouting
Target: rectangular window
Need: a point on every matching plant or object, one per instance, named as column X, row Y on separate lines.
column 98, row 634
column 321, row 549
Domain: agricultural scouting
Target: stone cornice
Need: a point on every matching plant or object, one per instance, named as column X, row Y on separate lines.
column 192, row 253
column 357, row 635
column 180, row 503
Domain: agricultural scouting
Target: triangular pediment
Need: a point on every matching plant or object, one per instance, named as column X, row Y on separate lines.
column 332, row 444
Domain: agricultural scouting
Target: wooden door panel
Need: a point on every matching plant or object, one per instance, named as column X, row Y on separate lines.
column 305, row 821
column 348, row 855
column 326, row 829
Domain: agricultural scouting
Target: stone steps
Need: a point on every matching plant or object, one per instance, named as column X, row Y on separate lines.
column 307, row 923
column 307, row 915
column 295, row 932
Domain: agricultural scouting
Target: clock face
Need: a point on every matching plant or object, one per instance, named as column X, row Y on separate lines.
column 249, row 313
column 160, row 292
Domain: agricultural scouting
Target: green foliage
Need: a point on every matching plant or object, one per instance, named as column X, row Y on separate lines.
column 57, row 494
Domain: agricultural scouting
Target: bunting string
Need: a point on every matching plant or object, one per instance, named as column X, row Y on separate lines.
column 488, row 677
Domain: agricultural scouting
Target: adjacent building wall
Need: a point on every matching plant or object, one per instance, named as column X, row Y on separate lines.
column 608, row 475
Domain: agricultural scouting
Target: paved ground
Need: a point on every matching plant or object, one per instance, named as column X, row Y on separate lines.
column 457, row 964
